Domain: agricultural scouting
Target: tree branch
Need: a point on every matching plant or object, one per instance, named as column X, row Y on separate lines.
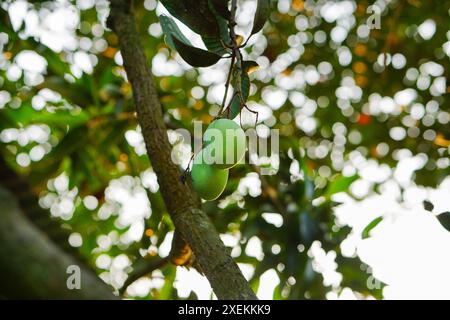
column 29, row 204
column 143, row 267
column 180, row 255
column 33, row 267
column 182, row 203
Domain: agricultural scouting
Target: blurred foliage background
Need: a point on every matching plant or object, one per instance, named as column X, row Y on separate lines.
column 344, row 97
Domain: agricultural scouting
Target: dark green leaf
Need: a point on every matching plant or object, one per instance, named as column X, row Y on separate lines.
column 221, row 6
column 428, row 205
column 444, row 219
column 171, row 30
column 250, row 66
column 366, row 232
column 194, row 56
column 236, row 103
column 261, row 15
column 75, row 93
column 175, row 39
column 215, row 43
column 196, row 14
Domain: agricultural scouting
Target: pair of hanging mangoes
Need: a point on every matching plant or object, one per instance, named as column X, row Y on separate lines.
column 224, row 144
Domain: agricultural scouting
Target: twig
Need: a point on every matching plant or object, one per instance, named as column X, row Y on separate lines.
column 180, row 255
column 142, row 267
column 254, row 112
column 227, row 84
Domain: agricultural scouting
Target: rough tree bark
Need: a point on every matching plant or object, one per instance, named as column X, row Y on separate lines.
column 182, row 203
column 33, row 267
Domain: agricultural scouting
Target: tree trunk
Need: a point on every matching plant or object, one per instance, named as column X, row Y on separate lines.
column 182, row 203
column 33, row 267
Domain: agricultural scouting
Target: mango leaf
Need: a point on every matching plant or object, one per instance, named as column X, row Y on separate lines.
column 176, row 40
column 55, row 63
column 277, row 292
column 74, row 93
column 171, row 30
column 340, row 184
column 76, row 138
column 195, row 14
column 250, row 66
column 236, row 103
column 221, row 7
column 26, row 115
column 444, row 219
column 214, row 44
column 261, row 15
column 247, row 68
column 166, row 291
column 427, row 205
column 194, row 56
column 366, row 232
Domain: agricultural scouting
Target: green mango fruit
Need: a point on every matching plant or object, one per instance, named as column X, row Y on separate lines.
column 225, row 143
column 208, row 181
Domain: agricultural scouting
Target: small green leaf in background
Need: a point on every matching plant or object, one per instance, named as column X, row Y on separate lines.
column 340, row 184
column 366, row 232
column 444, row 219
column 261, row 15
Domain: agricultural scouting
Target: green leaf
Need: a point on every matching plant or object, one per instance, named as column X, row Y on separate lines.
column 261, row 15
column 214, row 44
column 194, row 56
column 236, row 103
column 250, row 66
column 221, row 7
column 366, row 232
column 75, row 93
column 176, row 40
column 166, row 291
column 428, row 205
column 171, row 30
column 26, row 115
column 195, row 14
column 340, row 184
column 444, row 219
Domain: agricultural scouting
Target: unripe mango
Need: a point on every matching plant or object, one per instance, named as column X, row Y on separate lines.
column 208, row 181
column 225, row 142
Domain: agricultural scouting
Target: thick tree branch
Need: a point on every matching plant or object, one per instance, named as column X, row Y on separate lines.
column 29, row 203
column 33, row 267
column 182, row 203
